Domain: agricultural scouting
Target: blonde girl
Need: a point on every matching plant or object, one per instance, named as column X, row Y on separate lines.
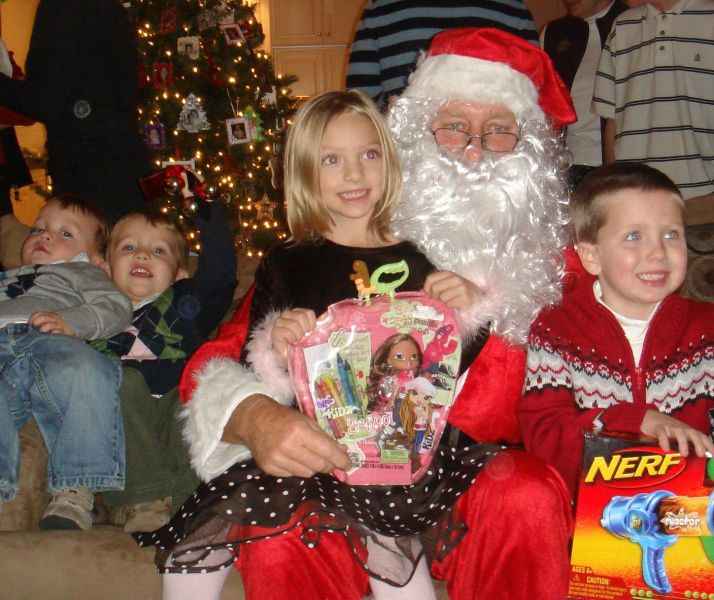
column 271, row 490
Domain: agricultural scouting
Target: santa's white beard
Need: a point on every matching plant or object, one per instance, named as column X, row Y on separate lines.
column 500, row 223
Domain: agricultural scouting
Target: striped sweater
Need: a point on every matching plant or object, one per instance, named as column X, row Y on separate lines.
column 391, row 33
column 581, row 374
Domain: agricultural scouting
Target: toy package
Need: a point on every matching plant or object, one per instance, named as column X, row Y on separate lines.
column 644, row 522
column 379, row 376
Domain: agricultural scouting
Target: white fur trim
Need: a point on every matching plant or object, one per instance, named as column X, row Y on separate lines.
column 486, row 307
column 221, row 385
column 265, row 363
column 454, row 77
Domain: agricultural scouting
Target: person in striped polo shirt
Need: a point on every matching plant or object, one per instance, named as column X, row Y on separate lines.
column 655, row 87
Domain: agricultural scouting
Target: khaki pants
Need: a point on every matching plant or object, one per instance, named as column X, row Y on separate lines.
column 12, row 235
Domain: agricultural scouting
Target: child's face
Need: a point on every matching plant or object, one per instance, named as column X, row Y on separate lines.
column 350, row 171
column 640, row 255
column 404, row 356
column 60, row 234
column 144, row 258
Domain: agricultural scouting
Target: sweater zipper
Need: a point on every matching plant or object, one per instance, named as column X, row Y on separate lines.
column 639, row 389
column 639, row 371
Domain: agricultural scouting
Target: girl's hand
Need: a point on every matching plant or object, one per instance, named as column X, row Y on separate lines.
column 49, row 322
column 666, row 428
column 451, row 289
column 283, row 441
column 289, row 328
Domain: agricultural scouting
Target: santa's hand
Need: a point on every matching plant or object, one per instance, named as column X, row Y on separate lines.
column 49, row 322
column 666, row 428
column 286, row 443
column 451, row 289
column 290, row 327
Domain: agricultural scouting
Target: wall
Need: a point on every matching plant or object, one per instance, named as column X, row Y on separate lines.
column 545, row 10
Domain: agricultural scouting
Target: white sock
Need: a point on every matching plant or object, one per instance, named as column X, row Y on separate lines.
column 420, row 586
column 194, row 586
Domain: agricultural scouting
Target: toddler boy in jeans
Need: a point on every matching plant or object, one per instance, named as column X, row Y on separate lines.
column 59, row 297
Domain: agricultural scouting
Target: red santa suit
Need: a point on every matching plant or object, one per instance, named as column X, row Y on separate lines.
column 511, row 525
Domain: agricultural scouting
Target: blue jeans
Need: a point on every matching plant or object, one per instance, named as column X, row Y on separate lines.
column 72, row 392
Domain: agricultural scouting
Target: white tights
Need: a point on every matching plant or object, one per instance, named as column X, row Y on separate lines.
column 194, row 586
column 208, row 586
column 420, row 586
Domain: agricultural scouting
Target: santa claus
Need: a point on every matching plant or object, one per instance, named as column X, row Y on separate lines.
column 484, row 198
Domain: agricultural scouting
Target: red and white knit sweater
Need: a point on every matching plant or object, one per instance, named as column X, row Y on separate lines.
column 580, row 369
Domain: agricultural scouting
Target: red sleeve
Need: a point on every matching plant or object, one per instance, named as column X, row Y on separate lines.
column 624, row 417
column 228, row 343
column 552, row 427
column 485, row 409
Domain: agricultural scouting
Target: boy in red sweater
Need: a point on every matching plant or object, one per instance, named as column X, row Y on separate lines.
column 625, row 352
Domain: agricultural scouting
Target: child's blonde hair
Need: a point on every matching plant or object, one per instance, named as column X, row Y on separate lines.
column 155, row 217
column 308, row 217
column 587, row 206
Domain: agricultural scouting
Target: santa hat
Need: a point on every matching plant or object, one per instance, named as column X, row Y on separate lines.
column 493, row 67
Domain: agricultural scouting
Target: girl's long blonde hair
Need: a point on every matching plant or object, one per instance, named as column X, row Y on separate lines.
column 308, row 217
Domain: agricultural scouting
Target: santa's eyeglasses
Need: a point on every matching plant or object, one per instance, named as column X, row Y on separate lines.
column 456, row 139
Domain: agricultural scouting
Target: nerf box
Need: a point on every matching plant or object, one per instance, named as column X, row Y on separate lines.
column 644, row 522
column 379, row 376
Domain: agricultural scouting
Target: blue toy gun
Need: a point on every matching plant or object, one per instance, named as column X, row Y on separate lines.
column 655, row 520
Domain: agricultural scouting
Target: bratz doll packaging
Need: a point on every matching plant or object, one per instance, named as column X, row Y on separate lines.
column 379, row 376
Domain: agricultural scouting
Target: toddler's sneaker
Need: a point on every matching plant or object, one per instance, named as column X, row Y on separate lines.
column 148, row 516
column 69, row 509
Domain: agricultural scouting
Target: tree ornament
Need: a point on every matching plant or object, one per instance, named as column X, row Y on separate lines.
column 174, row 185
column 214, row 73
column 223, row 14
column 255, row 123
column 265, row 208
column 193, row 116
column 189, row 46
column 205, row 20
column 270, row 98
column 168, row 20
column 190, row 207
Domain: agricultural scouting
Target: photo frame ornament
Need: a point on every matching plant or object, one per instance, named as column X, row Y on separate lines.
column 193, row 116
column 238, row 131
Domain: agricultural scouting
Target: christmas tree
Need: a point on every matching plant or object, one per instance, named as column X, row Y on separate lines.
column 210, row 101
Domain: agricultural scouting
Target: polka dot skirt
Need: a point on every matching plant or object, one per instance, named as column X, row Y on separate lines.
column 244, row 505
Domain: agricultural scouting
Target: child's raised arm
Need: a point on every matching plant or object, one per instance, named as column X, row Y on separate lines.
column 665, row 428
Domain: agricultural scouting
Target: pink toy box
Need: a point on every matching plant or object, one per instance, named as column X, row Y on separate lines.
column 379, row 376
